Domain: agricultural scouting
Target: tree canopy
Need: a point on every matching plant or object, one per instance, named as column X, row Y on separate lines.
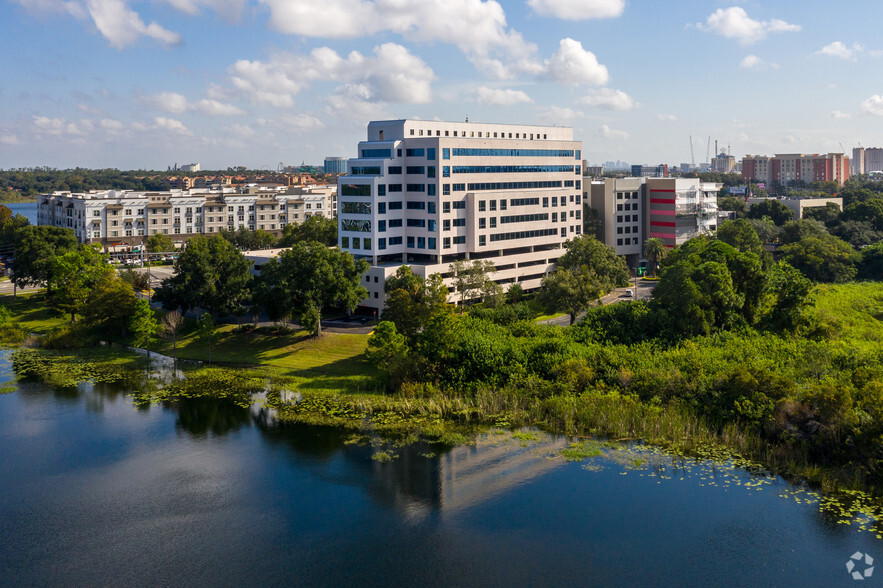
column 311, row 277
column 211, row 274
column 315, row 228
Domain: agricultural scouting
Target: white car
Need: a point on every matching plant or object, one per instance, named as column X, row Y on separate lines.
column 629, row 294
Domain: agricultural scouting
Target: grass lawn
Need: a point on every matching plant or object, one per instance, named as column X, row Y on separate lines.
column 30, row 311
column 334, row 362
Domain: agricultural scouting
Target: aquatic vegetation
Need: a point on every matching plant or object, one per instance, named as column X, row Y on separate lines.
column 581, row 451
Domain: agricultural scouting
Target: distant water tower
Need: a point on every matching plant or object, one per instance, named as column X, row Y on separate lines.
column 335, row 165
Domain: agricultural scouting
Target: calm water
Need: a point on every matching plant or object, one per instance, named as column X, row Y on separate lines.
column 97, row 492
column 26, row 209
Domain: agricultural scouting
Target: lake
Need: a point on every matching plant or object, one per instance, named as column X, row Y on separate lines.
column 202, row 492
column 26, row 209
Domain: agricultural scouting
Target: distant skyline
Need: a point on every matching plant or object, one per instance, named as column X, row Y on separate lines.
column 144, row 85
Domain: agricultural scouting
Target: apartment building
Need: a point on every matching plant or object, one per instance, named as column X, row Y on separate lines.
column 793, row 167
column 122, row 219
column 427, row 193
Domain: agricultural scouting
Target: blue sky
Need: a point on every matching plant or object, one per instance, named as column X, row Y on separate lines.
column 145, row 84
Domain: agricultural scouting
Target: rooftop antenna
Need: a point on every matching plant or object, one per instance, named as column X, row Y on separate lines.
column 467, row 118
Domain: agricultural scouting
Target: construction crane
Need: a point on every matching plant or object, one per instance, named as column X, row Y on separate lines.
column 692, row 155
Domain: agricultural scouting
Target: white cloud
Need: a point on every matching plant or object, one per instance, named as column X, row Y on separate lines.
column 574, row 65
column 838, row 49
column 109, row 124
column 178, row 103
column 838, row 114
column 607, row 133
column 476, row 27
column 578, row 9
column 52, row 126
column 215, row 108
column 501, row 97
column 734, row 23
column 873, row 105
column 51, row 7
column 666, row 117
column 392, row 74
column 755, row 62
column 9, row 139
column 171, row 125
column 556, row 115
column 609, row 99
column 228, row 9
column 122, row 26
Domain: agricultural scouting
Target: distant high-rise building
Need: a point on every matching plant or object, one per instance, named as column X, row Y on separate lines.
column 335, row 165
column 795, row 167
column 865, row 161
column 723, row 163
column 650, row 171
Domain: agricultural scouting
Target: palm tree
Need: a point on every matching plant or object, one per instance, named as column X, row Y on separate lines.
column 654, row 252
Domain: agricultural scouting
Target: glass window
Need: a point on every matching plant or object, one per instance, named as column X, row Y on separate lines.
column 432, row 243
column 381, row 208
column 430, row 189
column 394, row 170
column 381, row 243
column 446, row 189
column 482, row 223
column 381, row 226
column 430, row 171
column 481, row 205
column 345, row 242
column 545, row 202
column 446, row 153
column 493, row 222
column 366, row 243
column 493, row 204
column 410, row 242
column 430, row 207
column 430, row 154
column 421, row 242
column 446, row 242
column 381, row 190
column 502, row 205
column 481, row 240
column 446, row 207
column 432, row 225
column 446, row 171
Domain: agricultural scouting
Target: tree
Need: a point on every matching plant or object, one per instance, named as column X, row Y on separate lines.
column 586, row 251
column 136, row 280
column 171, row 324
column 206, row 332
column 858, row 233
column 795, row 230
column 143, row 325
column 828, row 214
column 35, row 248
column 73, row 276
column 654, row 252
column 312, row 277
column 492, row 295
column 469, row 278
column 740, row 234
column 315, row 228
column 765, row 229
column 790, row 292
column 249, row 239
column 388, row 351
column 868, row 210
column 822, row 258
column 110, row 304
column 515, row 293
column 572, row 291
column 775, row 210
column 211, row 274
column 160, row 243
column 733, row 203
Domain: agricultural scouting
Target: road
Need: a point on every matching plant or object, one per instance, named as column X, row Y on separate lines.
column 644, row 292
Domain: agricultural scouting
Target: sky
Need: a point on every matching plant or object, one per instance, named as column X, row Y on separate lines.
column 147, row 84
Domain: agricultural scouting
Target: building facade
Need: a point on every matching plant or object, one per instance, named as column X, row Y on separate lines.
column 865, row 161
column 616, row 207
column 335, row 165
column 650, row 171
column 121, row 219
column 795, row 167
column 678, row 209
column 723, row 163
column 428, row 193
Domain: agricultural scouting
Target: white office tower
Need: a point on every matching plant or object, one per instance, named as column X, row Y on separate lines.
column 427, row 193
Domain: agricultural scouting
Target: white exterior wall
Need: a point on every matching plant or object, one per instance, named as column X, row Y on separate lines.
column 521, row 229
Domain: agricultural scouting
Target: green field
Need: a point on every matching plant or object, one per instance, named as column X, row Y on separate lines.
column 30, row 311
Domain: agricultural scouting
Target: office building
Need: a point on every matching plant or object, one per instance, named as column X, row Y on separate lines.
column 615, row 207
column 335, row 165
column 678, row 209
column 866, row 161
column 428, row 193
column 650, row 171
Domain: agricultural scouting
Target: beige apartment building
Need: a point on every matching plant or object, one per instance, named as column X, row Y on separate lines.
column 121, row 220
